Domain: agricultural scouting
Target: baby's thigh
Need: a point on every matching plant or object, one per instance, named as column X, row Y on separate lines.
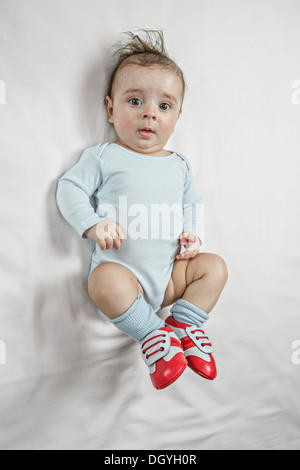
column 113, row 287
column 177, row 284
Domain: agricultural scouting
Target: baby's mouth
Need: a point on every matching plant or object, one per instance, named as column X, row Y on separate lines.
column 146, row 132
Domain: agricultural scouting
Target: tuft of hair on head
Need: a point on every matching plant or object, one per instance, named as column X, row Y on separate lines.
column 145, row 49
column 150, row 42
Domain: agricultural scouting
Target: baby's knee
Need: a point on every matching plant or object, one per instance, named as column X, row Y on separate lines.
column 109, row 280
column 218, row 267
column 212, row 264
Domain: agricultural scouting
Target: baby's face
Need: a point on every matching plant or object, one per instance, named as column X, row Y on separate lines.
column 144, row 107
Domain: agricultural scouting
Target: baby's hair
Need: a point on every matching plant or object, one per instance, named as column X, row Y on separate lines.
column 145, row 50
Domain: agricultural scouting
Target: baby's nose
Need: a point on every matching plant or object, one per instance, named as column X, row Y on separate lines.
column 150, row 112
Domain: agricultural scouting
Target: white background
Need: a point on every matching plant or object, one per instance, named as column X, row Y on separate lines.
column 71, row 380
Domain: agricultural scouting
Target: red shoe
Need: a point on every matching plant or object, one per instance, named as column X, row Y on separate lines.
column 163, row 354
column 197, row 348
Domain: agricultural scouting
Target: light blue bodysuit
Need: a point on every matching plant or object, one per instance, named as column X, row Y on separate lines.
column 153, row 199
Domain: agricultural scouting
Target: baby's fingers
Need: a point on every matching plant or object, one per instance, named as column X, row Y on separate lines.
column 108, row 239
column 187, row 254
column 102, row 243
column 187, row 238
column 109, row 242
column 120, row 233
column 119, row 239
column 118, row 243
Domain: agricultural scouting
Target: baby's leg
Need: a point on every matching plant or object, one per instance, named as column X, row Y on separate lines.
column 113, row 288
column 195, row 286
column 118, row 295
column 199, row 280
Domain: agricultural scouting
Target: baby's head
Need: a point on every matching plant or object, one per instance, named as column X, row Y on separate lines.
column 145, row 94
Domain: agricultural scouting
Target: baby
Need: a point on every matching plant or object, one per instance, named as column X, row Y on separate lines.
column 148, row 222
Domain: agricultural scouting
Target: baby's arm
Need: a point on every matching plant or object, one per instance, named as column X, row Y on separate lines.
column 74, row 191
column 193, row 215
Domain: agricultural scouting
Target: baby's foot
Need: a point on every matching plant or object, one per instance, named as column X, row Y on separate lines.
column 163, row 354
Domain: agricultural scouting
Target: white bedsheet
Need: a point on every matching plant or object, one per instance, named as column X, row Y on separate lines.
column 70, row 380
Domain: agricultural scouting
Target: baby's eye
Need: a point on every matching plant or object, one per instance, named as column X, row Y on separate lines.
column 135, row 102
column 164, row 106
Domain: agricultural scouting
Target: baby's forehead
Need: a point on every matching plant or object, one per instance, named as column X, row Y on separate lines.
column 132, row 73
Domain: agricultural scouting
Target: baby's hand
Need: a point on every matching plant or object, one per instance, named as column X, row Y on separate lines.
column 191, row 243
column 106, row 233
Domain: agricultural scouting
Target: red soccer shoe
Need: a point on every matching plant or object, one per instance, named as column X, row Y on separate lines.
column 163, row 354
column 197, row 348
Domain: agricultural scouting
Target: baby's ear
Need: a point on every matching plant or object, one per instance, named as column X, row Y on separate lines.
column 109, row 109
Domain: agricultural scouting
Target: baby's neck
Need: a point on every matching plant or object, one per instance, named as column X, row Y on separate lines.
column 161, row 153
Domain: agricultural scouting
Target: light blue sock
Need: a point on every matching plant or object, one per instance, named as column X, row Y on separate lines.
column 185, row 312
column 139, row 320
